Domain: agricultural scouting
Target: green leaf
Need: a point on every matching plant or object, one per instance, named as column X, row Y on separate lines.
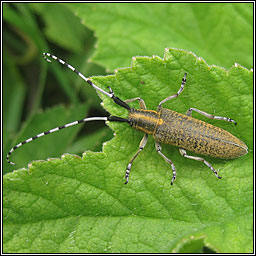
column 14, row 92
column 74, row 204
column 92, row 142
column 210, row 30
column 62, row 27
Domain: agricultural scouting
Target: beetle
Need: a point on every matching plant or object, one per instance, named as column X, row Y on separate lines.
column 166, row 126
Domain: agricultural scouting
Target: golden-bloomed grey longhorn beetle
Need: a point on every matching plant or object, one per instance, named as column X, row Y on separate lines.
column 166, row 126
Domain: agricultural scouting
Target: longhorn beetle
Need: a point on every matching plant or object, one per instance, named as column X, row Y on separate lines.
column 166, row 126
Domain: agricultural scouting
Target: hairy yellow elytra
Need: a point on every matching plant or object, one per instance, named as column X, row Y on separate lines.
column 170, row 127
column 166, row 126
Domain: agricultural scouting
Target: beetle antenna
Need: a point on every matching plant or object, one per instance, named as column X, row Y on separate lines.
column 109, row 94
column 110, row 118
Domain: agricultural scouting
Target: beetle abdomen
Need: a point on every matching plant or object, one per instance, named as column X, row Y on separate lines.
column 197, row 136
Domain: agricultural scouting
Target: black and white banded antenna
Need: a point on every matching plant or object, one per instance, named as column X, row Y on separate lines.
column 109, row 94
column 110, row 118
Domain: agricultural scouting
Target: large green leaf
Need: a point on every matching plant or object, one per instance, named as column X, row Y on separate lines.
column 78, row 204
column 222, row 33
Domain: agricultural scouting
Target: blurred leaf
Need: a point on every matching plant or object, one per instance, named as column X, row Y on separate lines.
column 13, row 95
column 222, row 33
column 22, row 21
column 62, row 27
column 80, row 205
column 21, row 17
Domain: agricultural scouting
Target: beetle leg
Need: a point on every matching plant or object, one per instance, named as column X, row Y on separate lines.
column 159, row 151
column 183, row 82
column 141, row 147
column 189, row 113
column 141, row 102
column 183, row 152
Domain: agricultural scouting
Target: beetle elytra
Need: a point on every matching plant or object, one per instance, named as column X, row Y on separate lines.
column 166, row 126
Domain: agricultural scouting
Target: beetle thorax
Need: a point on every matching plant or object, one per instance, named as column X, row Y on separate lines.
column 143, row 120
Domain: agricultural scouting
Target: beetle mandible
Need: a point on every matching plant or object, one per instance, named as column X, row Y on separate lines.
column 166, row 126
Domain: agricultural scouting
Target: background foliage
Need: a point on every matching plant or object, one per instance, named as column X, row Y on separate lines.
column 74, row 205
